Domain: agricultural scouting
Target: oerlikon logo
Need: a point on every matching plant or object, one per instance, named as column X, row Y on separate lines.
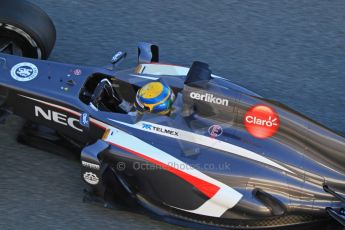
column 261, row 121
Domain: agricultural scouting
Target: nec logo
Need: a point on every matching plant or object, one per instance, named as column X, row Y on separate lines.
column 58, row 118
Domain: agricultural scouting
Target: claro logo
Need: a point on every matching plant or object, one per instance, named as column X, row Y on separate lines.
column 57, row 118
column 208, row 97
column 261, row 121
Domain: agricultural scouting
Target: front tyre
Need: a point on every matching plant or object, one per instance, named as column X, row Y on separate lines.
column 25, row 30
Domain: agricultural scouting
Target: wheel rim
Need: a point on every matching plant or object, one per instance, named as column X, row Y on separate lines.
column 17, row 42
column 10, row 47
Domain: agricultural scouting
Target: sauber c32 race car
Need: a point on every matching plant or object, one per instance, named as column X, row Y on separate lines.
column 223, row 157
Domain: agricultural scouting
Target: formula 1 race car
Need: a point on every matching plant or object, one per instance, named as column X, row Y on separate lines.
column 224, row 157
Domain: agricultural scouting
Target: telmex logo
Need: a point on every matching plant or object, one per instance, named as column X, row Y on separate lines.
column 261, row 121
column 57, row 118
column 159, row 129
column 208, row 97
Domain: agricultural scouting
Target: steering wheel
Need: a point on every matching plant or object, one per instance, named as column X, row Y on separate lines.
column 104, row 92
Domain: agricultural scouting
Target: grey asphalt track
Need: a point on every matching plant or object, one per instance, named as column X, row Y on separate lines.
column 288, row 50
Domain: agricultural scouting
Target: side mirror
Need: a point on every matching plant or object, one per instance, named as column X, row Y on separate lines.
column 147, row 53
column 116, row 59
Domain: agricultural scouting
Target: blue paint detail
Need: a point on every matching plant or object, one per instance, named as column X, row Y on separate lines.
column 85, row 119
column 147, row 126
column 161, row 107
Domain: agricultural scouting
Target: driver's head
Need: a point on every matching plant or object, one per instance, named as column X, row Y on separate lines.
column 155, row 97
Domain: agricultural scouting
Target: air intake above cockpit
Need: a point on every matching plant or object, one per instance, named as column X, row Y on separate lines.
column 198, row 72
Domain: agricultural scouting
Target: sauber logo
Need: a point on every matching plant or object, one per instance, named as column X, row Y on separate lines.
column 208, row 97
column 261, row 121
column 24, row 71
column 57, row 118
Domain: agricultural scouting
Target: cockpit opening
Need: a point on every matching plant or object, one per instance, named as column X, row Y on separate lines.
column 106, row 93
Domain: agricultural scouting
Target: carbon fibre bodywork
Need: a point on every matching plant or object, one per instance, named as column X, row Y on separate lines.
column 179, row 166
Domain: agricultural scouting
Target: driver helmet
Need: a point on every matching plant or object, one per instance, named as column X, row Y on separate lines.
column 155, row 97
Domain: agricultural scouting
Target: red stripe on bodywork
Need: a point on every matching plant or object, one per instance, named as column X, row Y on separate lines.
column 205, row 187
column 98, row 125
